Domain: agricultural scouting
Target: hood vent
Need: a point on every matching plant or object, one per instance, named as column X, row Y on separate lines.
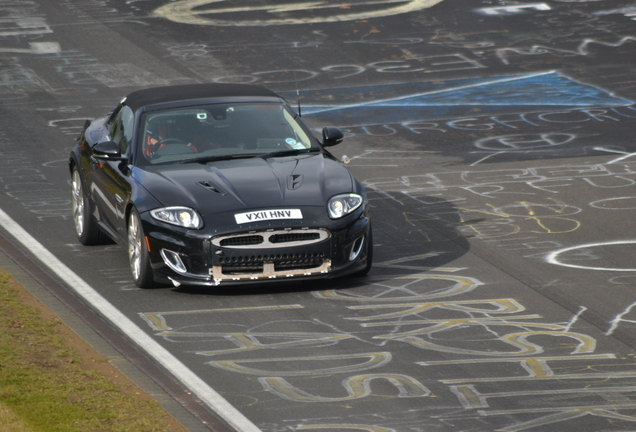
column 294, row 181
column 211, row 187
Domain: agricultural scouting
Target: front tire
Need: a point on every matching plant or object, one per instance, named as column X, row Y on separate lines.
column 138, row 255
column 88, row 233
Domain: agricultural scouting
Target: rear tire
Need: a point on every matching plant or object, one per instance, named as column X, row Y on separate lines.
column 138, row 255
column 88, row 233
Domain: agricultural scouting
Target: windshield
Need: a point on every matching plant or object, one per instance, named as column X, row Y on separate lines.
column 223, row 130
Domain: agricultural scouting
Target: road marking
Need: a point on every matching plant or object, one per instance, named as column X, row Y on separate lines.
column 193, row 11
column 554, row 257
column 35, row 48
column 196, row 385
column 513, row 9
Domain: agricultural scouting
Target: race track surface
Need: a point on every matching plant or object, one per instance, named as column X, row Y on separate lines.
column 496, row 143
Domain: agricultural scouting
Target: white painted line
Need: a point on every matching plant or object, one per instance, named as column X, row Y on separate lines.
column 391, row 101
column 196, row 385
column 513, row 9
column 619, row 318
column 182, row 12
column 627, row 155
column 554, row 257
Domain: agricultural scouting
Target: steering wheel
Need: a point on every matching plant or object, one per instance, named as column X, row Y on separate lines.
column 169, row 141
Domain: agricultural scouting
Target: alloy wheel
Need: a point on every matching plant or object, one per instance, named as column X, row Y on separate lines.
column 78, row 203
column 134, row 246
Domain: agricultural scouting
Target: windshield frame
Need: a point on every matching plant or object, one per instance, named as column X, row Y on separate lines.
column 225, row 120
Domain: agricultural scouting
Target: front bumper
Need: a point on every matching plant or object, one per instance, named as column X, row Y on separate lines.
column 260, row 254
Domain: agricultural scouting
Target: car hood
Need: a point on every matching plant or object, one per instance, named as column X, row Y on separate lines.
column 255, row 183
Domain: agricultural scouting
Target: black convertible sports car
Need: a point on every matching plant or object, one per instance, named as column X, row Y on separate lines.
column 211, row 184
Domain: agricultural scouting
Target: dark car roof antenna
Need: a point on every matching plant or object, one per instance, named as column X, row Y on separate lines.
column 297, row 94
column 298, row 97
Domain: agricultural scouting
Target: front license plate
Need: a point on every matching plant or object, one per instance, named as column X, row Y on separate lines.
column 262, row 215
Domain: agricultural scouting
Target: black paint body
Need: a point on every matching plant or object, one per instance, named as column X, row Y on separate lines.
column 116, row 182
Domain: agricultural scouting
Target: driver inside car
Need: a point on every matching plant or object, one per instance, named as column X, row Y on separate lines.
column 163, row 133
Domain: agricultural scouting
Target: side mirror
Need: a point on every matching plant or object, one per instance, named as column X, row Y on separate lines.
column 331, row 136
column 107, row 150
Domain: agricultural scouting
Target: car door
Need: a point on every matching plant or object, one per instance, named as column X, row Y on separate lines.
column 111, row 179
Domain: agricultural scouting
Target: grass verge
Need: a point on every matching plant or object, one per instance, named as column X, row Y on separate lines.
column 52, row 381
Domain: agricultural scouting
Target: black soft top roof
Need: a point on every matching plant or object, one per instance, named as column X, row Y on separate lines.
column 151, row 96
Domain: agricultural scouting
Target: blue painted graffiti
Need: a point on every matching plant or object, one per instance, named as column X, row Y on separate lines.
column 435, row 100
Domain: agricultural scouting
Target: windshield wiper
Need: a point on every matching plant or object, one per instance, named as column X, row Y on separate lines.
column 280, row 153
column 206, row 159
column 283, row 153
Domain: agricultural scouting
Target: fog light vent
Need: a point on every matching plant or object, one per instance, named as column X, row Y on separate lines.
column 356, row 248
column 173, row 260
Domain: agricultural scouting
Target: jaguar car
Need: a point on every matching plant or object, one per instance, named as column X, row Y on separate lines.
column 215, row 184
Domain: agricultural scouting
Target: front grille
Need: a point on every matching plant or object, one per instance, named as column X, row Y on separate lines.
column 295, row 237
column 245, row 268
column 252, row 268
column 270, row 270
column 297, row 264
column 285, row 253
column 249, row 240
column 272, row 239
column 277, row 259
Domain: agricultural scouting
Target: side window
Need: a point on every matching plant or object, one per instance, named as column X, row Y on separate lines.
column 121, row 131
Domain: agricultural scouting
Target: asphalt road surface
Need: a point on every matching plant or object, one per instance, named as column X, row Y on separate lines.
column 496, row 141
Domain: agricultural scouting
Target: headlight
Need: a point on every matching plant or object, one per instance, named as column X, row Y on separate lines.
column 180, row 216
column 342, row 205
